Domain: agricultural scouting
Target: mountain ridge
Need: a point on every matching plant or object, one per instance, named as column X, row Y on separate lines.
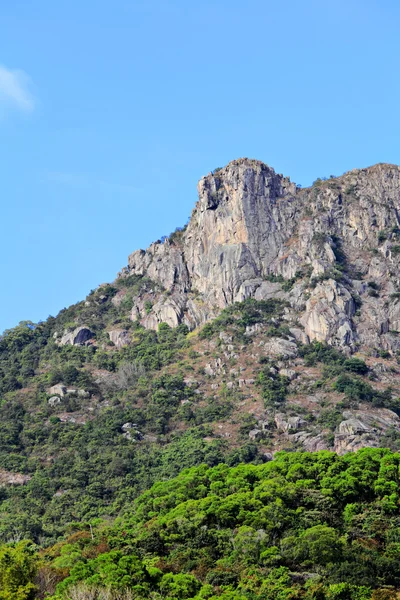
column 251, row 225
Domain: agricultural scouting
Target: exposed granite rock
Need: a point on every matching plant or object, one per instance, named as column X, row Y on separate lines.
column 285, row 423
column 8, row 478
column 131, row 432
column 310, row 442
column 240, row 222
column 54, row 400
column 328, row 313
column 289, row 373
column 169, row 310
column 256, row 434
column 245, row 382
column 79, row 337
column 352, row 443
column 362, row 428
column 119, row 337
column 60, row 390
column 253, row 329
column 278, row 347
column 78, row 418
column 300, row 335
column 57, row 390
column 191, row 382
column 78, row 392
column 353, row 426
column 251, row 225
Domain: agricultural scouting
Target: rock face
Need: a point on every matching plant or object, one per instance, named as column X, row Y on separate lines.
column 79, row 337
column 278, row 347
column 8, row 478
column 284, row 423
column 58, row 390
column 253, row 233
column 328, row 313
column 119, row 337
column 362, row 428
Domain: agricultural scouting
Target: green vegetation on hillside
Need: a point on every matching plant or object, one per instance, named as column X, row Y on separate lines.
column 303, row 526
column 139, row 421
column 317, row 527
column 77, row 460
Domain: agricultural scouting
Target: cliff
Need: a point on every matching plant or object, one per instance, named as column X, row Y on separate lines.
column 331, row 250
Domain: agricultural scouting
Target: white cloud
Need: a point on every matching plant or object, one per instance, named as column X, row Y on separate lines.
column 14, row 90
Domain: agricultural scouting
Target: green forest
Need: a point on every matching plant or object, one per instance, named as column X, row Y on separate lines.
column 303, row 526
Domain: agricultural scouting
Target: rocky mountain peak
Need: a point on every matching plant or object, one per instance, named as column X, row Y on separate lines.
column 330, row 251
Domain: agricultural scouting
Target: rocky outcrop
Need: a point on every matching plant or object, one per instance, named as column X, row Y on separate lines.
column 289, row 373
column 78, row 337
column 54, row 400
column 309, row 441
column 280, row 348
column 131, row 432
column 57, row 390
column 253, row 233
column 8, row 478
column 363, row 428
column 60, row 390
column 119, row 337
column 328, row 314
column 285, row 423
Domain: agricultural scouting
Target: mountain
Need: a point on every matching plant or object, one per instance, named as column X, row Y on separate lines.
column 270, row 322
column 332, row 251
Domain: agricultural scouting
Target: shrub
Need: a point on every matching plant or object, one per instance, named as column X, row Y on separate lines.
column 355, row 365
column 382, row 236
column 242, row 314
column 274, row 388
column 148, row 306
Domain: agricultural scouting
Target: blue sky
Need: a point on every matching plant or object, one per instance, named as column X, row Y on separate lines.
column 111, row 111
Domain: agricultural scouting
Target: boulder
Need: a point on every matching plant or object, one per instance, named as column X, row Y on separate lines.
column 54, row 400
column 253, row 329
column 128, row 426
column 353, row 426
column 79, row 337
column 362, row 428
column 225, row 337
column 279, row 347
column 119, row 337
column 289, row 373
column 351, row 443
column 299, row 335
column 245, row 382
column 285, row 423
column 57, row 390
column 9, row 478
column 310, row 441
column 191, row 382
column 256, row 434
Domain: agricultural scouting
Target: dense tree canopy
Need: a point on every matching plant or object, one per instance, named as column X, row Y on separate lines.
column 303, row 526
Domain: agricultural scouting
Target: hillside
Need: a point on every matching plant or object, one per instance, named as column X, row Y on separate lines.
column 270, row 322
column 303, row 526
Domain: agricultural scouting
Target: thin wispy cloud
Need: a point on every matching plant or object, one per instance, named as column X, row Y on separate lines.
column 14, row 91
